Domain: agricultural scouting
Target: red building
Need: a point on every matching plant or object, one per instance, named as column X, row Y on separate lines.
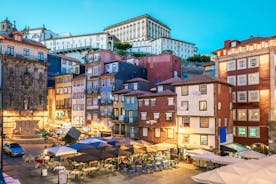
column 157, row 117
column 250, row 66
column 161, row 67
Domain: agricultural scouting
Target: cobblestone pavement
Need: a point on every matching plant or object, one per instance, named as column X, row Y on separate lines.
column 27, row 174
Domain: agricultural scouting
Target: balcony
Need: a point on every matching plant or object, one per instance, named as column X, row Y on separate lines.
column 105, row 114
column 130, row 119
column 92, row 90
column 106, row 101
column 119, row 118
column 21, row 56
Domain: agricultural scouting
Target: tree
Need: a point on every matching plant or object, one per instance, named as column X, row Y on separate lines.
column 122, row 46
column 167, row 52
column 199, row 58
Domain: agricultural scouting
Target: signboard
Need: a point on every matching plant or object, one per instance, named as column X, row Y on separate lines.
column 62, row 177
column 222, row 131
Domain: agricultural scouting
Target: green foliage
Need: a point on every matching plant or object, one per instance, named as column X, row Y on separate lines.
column 167, row 51
column 122, row 46
column 199, row 58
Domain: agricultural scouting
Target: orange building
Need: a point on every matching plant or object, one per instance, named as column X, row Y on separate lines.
column 249, row 65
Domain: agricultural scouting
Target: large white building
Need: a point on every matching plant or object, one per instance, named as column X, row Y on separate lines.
column 179, row 48
column 204, row 112
column 139, row 28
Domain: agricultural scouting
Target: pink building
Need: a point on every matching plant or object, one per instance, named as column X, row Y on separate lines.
column 161, row 67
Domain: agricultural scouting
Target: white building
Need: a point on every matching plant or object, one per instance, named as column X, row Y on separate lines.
column 41, row 33
column 139, row 28
column 204, row 112
column 157, row 46
column 78, row 101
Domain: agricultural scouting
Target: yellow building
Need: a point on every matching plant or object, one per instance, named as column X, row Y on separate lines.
column 63, row 98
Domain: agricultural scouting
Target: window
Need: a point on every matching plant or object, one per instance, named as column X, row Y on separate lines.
column 157, row 132
column 204, row 122
column 242, row 80
column 203, row 89
column 241, row 64
column 203, row 140
column 231, row 65
column 156, row 116
column 168, row 116
column 203, row 105
column 10, row 50
column 26, row 52
column 234, row 114
column 253, row 132
column 159, row 88
column 242, row 114
column 146, row 102
column 185, row 105
column 253, row 96
column 231, row 80
column 135, row 86
column 132, row 99
column 253, row 62
column 242, row 132
column 126, row 86
column 140, row 103
column 184, row 91
column 153, row 102
column 219, row 105
column 234, row 131
column 185, row 122
column 145, row 132
column 253, row 114
column 253, row 78
column 170, row 101
column 233, row 96
column 144, row 116
column 170, row 133
column 242, row 96
column 40, row 56
column 128, row 100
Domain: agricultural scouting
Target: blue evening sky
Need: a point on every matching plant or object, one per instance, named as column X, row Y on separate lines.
column 207, row 23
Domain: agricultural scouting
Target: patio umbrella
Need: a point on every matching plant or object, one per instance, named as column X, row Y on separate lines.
column 85, row 158
column 61, row 150
column 198, row 151
column 151, row 149
column 252, row 154
column 91, row 140
column 91, row 150
column 80, row 146
column 139, row 151
column 145, row 143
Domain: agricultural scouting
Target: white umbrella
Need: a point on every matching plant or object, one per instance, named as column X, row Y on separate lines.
column 61, row 150
column 205, row 157
column 198, row 151
column 252, row 154
column 226, row 160
column 90, row 140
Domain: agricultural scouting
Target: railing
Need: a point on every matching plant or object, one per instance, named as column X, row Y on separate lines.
column 130, row 119
column 16, row 55
column 92, row 90
column 106, row 101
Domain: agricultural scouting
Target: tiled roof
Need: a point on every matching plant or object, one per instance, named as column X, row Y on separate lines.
column 170, row 81
column 163, row 93
column 79, row 76
column 24, row 40
column 122, row 91
column 249, row 41
column 137, row 79
column 199, row 79
column 137, row 92
column 67, row 58
column 135, row 19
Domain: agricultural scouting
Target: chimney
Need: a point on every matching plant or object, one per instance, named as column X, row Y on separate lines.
column 227, row 44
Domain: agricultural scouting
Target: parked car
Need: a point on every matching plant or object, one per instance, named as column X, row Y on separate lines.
column 13, row 149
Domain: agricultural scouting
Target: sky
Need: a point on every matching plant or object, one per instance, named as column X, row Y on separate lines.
column 207, row 23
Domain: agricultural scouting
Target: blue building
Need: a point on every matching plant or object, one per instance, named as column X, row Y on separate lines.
column 60, row 64
column 115, row 74
column 131, row 113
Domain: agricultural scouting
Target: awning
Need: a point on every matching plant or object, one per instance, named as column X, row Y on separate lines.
column 250, row 154
column 61, row 150
column 233, row 147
